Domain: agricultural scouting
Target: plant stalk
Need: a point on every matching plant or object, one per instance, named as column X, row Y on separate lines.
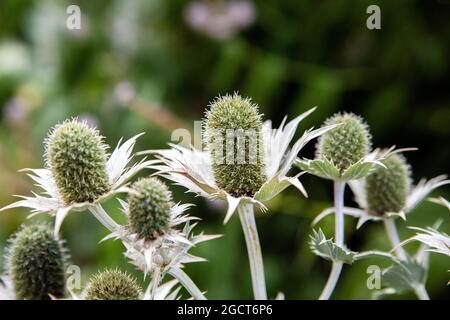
column 187, row 283
column 336, row 268
column 391, row 230
column 248, row 223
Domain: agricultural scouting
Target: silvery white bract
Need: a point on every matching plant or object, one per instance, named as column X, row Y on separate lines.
column 442, row 201
column 416, row 195
column 167, row 253
column 6, row 289
column 192, row 168
column 50, row 201
column 325, row 168
column 436, row 241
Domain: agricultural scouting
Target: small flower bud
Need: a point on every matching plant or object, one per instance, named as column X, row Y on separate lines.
column 36, row 263
column 346, row 144
column 76, row 156
column 233, row 134
column 113, row 285
column 149, row 208
column 387, row 188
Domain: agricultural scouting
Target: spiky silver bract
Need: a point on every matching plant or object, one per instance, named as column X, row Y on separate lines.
column 346, row 144
column 193, row 168
column 387, row 188
column 79, row 175
column 36, row 263
column 76, row 156
column 233, row 113
column 149, row 208
column 113, row 285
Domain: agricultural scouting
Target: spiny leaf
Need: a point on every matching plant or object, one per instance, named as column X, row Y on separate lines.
column 327, row 249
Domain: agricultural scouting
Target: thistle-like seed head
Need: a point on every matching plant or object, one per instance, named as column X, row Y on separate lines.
column 76, row 156
column 233, row 135
column 113, row 285
column 36, row 263
column 149, row 208
column 387, row 188
column 345, row 144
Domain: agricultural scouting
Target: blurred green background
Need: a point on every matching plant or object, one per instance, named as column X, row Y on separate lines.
column 153, row 66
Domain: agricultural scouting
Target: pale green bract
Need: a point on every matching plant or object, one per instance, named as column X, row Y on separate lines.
column 327, row 249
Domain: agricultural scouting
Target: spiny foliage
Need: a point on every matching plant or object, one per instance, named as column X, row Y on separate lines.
column 113, row 285
column 76, row 156
column 36, row 263
column 243, row 173
column 345, row 144
column 149, row 208
column 387, row 188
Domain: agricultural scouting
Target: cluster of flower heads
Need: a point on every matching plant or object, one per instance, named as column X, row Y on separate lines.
column 79, row 175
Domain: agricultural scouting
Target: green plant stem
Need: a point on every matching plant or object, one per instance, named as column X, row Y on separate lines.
column 391, row 230
column 336, row 268
column 248, row 223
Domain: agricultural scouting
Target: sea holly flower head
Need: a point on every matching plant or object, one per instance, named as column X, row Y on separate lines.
column 36, row 263
column 112, row 285
column 343, row 153
column 76, row 155
column 387, row 188
column 79, row 174
column 243, row 162
column 152, row 238
column 238, row 169
column 346, row 144
column 149, row 208
column 387, row 192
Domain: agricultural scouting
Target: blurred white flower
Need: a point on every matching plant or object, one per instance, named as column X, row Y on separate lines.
column 14, row 59
column 220, row 19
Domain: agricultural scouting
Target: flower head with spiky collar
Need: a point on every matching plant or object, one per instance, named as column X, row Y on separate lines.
column 79, row 174
column 387, row 192
column 153, row 242
column 245, row 160
column 343, row 153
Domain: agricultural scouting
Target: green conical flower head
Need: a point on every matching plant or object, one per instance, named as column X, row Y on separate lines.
column 387, row 188
column 149, row 208
column 113, row 285
column 346, row 144
column 36, row 263
column 76, row 156
column 233, row 135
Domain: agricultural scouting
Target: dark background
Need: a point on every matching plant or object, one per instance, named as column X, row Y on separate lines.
column 141, row 66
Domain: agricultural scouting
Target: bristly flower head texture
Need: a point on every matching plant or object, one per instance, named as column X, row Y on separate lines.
column 251, row 167
column 152, row 237
column 346, row 144
column 387, row 192
column 387, row 188
column 76, row 156
column 79, row 173
column 149, row 208
column 113, row 285
column 231, row 114
column 344, row 153
column 36, row 263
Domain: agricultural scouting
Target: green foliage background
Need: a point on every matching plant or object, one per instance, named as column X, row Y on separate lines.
column 295, row 55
